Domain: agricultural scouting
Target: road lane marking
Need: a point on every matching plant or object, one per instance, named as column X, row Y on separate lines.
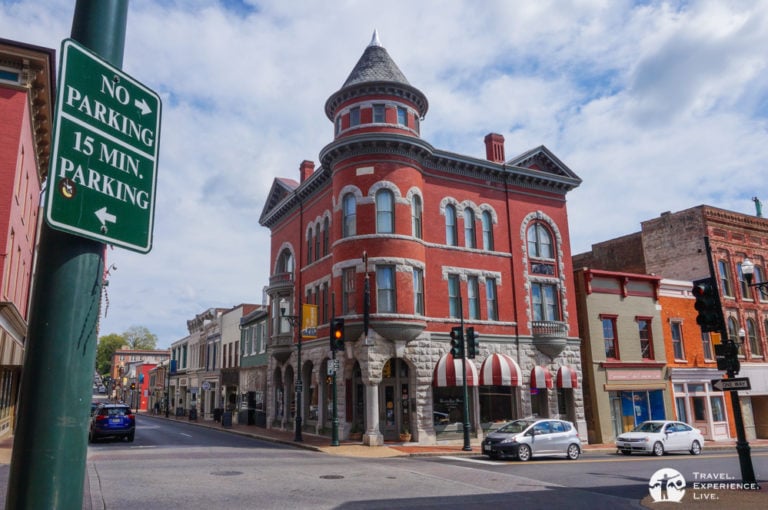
column 467, row 459
column 185, row 434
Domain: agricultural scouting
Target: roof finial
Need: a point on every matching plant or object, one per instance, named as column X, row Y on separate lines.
column 375, row 39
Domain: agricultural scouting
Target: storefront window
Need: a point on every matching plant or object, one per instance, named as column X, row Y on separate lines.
column 718, row 410
column 448, row 412
column 682, row 414
column 498, row 404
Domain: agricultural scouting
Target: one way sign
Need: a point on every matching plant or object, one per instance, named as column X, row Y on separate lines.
column 740, row 383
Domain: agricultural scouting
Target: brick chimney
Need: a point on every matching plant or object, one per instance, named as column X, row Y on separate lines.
column 306, row 169
column 494, row 147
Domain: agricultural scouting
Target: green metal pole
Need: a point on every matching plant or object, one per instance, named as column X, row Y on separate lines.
column 50, row 444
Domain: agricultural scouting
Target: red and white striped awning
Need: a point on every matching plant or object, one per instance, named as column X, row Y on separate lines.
column 567, row 377
column 448, row 372
column 541, row 378
column 500, row 370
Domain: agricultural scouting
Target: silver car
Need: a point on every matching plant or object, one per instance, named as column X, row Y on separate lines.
column 657, row 437
column 523, row 439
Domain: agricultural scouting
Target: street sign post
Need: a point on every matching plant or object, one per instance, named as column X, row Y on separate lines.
column 737, row 383
column 106, row 141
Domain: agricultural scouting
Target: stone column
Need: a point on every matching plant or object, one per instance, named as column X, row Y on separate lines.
column 372, row 436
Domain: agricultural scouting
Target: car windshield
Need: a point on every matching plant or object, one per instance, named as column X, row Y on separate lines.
column 649, row 426
column 515, row 427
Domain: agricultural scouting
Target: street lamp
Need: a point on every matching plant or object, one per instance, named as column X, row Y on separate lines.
column 748, row 270
column 294, row 320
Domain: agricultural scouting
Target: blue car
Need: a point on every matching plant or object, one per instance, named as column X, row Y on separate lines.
column 112, row 420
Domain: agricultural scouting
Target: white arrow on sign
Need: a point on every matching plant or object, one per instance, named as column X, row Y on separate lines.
column 105, row 217
column 143, row 106
column 741, row 383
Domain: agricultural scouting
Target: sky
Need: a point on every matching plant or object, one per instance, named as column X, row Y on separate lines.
column 656, row 105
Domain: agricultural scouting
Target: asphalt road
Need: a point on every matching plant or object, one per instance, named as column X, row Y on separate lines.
column 175, row 465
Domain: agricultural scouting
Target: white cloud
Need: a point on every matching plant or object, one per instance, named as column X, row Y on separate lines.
column 656, row 105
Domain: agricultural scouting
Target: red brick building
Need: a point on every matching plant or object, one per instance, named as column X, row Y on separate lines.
column 673, row 247
column 436, row 237
column 27, row 84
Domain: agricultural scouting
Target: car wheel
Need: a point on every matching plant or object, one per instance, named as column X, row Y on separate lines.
column 91, row 437
column 626, row 452
column 523, row 452
column 695, row 448
column 130, row 437
column 658, row 449
column 573, row 451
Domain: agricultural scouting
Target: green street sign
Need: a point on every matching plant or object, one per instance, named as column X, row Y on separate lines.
column 103, row 172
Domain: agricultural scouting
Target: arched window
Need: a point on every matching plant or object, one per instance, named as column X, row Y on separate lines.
column 754, row 341
column 469, row 228
column 285, row 262
column 349, row 210
column 416, row 216
column 326, row 235
column 385, row 211
column 487, row 222
column 451, row 235
column 309, row 246
column 539, row 242
column 733, row 334
column 317, row 243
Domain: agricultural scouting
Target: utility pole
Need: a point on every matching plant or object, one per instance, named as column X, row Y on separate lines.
column 50, row 446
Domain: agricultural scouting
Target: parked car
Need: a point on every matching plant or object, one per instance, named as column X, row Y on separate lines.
column 112, row 420
column 528, row 438
column 102, row 389
column 657, row 437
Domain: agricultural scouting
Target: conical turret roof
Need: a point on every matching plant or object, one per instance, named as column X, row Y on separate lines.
column 375, row 65
column 376, row 72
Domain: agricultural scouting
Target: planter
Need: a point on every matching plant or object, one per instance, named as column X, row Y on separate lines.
column 355, row 436
column 405, row 437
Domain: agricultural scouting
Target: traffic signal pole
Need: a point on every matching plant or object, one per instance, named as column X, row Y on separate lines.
column 742, row 446
column 50, row 444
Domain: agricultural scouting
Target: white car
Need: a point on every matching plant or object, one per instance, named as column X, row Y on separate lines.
column 658, row 437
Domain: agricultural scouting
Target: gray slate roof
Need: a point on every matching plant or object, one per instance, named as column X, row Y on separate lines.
column 375, row 65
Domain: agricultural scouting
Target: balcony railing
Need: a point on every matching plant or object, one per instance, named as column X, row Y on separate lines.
column 280, row 280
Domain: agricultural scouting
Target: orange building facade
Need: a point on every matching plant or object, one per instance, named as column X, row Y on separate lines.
column 691, row 365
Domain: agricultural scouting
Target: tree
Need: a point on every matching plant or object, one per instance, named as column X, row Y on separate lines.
column 108, row 344
column 136, row 337
column 139, row 337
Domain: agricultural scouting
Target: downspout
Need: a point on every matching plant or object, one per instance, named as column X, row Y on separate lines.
column 511, row 262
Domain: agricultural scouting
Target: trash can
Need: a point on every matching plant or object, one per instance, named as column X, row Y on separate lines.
column 193, row 414
column 226, row 419
column 217, row 414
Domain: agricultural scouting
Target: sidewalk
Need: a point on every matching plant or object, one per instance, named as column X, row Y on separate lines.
column 356, row 449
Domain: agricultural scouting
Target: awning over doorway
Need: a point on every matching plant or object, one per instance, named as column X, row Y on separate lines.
column 567, row 378
column 448, row 372
column 500, row 370
column 541, row 378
